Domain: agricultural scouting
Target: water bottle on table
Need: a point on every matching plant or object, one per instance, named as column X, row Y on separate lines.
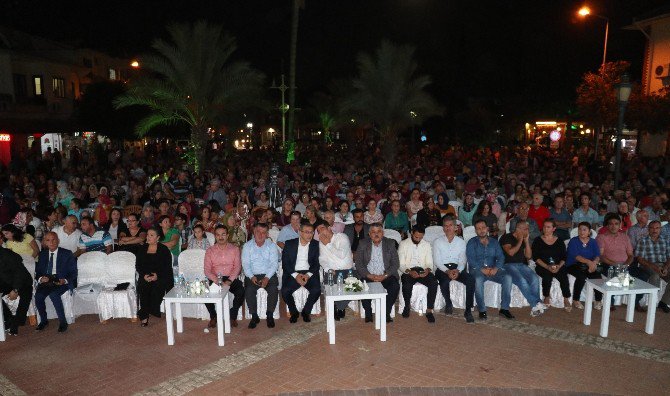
column 340, row 281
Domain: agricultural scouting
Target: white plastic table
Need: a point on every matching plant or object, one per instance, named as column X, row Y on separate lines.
column 376, row 293
column 177, row 297
column 639, row 287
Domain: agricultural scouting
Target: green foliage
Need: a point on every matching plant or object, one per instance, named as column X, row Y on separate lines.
column 386, row 90
column 192, row 81
column 596, row 95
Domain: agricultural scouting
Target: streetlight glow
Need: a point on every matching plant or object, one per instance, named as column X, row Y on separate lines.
column 584, row 11
column 135, row 64
column 250, row 125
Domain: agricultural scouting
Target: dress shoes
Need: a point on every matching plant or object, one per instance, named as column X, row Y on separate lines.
column 449, row 310
column 62, row 328
column 405, row 312
column 468, row 317
column 42, row 326
column 430, row 317
column 368, row 316
column 506, row 314
column 389, row 319
column 270, row 321
column 483, row 316
column 306, row 318
column 294, row 317
column 640, row 308
column 664, row 307
column 254, row 321
column 211, row 324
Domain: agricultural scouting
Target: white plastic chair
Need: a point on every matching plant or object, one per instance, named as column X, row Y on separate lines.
column 432, row 233
column 469, row 233
column 210, row 238
column 119, row 268
column 300, row 297
column 456, row 204
column 392, row 234
column 91, row 276
column 419, row 300
column 273, row 234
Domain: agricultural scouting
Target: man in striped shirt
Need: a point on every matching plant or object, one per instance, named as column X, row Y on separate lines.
column 93, row 239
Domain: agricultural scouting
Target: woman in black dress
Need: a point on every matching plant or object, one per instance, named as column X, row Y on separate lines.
column 549, row 255
column 154, row 267
column 132, row 237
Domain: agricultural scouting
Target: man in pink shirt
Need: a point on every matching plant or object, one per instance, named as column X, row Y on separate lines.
column 537, row 211
column 615, row 246
column 222, row 260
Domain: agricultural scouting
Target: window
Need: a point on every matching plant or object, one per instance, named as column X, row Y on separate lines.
column 59, row 87
column 37, row 86
column 20, row 86
column 112, row 74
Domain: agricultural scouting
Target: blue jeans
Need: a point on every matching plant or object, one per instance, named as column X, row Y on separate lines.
column 526, row 280
column 501, row 277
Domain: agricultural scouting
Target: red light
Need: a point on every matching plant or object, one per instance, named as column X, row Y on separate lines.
column 5, row 137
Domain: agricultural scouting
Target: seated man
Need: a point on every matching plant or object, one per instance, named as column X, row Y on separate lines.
column 517, row 249
column 15, row 281
column 486, row 262
column 223, row 260
column 300, row 264
column 450, row 260
column 533, row 229
column 291, row 231
column 416, row 266
column 377, row 261
column 56, row 273
column 358, row 230
column 93, row 239
column 335, row 255
column 653, row 255
column 260, row 261
column 69, row 234
column 616, row 249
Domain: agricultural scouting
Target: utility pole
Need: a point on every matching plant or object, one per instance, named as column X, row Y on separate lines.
column 284, row 108
column 297, row 4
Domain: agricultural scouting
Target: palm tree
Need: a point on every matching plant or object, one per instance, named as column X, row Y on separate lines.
column 192, row 80
column 388, row 93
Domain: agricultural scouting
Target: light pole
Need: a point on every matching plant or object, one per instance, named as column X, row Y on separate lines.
column 623, row 93
column 586, row 11
column 284, row 108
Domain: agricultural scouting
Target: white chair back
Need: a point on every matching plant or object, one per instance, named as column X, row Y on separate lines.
column 29, row 263
column 392, row 234
column 91, row 268
column 663, row 223
column 432, row 233
column 273, row 234
column 192, row 264
column 210, row 238
column 120, row 268
column 575, row 231
column 469, row 233
column 456, row 204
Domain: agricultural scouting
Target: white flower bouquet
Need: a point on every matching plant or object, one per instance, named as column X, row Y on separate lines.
column 352, row 284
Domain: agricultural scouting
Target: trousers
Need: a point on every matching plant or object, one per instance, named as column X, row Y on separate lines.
column 463, row 277
column 237, row 289
column 408, row 284
column 250, row 290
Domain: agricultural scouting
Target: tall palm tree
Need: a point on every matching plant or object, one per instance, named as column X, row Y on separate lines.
column 388, row 93
column 192, row 80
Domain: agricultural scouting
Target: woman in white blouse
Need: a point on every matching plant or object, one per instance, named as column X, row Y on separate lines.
column 373, row 215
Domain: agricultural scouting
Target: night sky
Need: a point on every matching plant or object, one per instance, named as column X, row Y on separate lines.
column 529, row 55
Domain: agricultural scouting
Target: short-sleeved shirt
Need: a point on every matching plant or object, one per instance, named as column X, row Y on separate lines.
column 563, row 216
column 591, row 216
column 589, row 251
column 615, row 247
column 519, row 256
column 22, row 247
column 655, row 252
column 96, row 242
column 168, row 235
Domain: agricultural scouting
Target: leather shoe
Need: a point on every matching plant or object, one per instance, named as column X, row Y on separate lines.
column 664, row 307
column 270, row 321
column 368, row 316
column 341, row 313
column 405, row 312
column 483, row 316
column 233, row 322
column 306, row 318
column 506, row 313
column 254, row 321
column 389, row 319
column 42, row 326
column 211, row 324
column 294, row 317
column 468, row 317
column 430, row 317
column 12, row 332
column 62, row 328
column 449, row 310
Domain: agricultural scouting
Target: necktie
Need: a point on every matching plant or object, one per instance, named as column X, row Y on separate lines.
column 51, row 264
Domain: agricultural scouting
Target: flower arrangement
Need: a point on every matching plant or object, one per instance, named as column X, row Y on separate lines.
column 352, row 284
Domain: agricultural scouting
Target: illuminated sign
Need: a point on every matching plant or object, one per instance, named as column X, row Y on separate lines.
column 5, row 137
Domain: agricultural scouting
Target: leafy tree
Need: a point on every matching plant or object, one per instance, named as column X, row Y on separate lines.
column 386, row 92
column 193, row 81
column 596, row 95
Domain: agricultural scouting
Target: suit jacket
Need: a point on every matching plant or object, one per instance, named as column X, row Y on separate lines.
column 66, row 266
column 290, row 255
column 349, row 232
column 389, row 253
column 12, row 271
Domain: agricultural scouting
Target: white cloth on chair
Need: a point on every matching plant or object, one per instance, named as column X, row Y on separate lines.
column 90, row 281
column 262, row 306
column 300, row 297
column 419, row 300
column 119, row 268
column 392, row 234
column 432, row 233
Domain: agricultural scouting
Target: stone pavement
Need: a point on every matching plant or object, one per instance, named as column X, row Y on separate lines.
column 551, row 354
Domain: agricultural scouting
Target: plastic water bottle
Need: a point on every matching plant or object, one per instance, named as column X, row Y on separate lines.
column 610, row 272
column 340, row 282
column 331, row 277
column 350, row 274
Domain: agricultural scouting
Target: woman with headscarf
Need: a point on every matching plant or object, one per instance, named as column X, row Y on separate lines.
column 63, row 194
column 467, row 211
column 444, row 206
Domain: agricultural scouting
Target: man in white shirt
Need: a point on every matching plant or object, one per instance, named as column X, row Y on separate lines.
column 450, row 260
column 335, row 254
column 68, row 234
column 416, row 266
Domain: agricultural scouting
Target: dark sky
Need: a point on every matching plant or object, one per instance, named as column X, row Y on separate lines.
column 529, row 53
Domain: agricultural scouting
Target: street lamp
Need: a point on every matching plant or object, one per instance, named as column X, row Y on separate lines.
column 623, row 94
column 585, row 12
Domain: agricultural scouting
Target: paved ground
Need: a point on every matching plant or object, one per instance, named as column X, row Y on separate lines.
column 552, row 354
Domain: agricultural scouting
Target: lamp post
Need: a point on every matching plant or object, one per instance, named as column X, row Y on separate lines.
column 623, row 93
column 586, row 11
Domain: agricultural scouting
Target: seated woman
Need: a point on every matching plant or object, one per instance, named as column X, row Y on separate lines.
column 343, row 215
column 133, row 236
column 396, row 219
column 19, row 242
column 373, row 215
column 582, row 261
column 199, row 239
column 549, row 255
column 154, row 267
column 485, row 212
column 115, row 226
column 430, row 215
column 169, row 236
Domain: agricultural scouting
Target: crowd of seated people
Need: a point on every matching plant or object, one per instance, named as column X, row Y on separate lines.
column 531, row 214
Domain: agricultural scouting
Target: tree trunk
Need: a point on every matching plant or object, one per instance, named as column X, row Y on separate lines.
column 198, row 147
column 389, row 144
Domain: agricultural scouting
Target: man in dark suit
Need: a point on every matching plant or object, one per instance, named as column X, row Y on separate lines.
column 56, row 273
column 357, row 231
column 15, row 281
column 377, row 261
column 300, row 263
